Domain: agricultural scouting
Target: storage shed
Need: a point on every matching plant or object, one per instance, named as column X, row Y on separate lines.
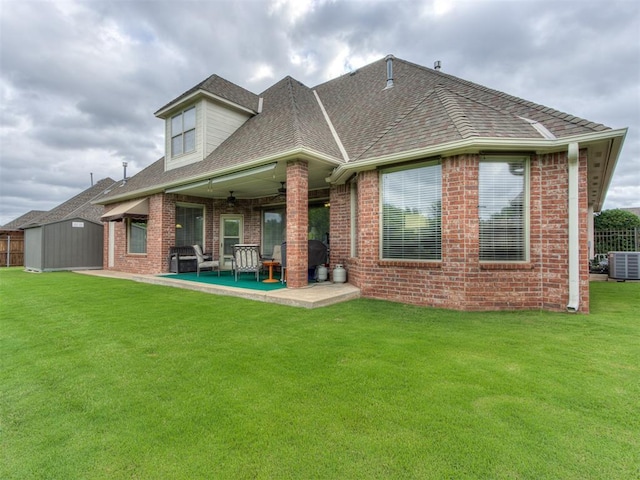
column 69, row 237
column 71, row 244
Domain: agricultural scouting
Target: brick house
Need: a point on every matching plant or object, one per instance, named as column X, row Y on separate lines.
column 431, row 189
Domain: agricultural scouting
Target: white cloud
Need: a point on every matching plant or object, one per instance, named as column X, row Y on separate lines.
column 262, row 72
column 79, row 81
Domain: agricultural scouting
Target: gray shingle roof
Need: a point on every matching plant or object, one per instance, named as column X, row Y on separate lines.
column 291, row 118
column 23, row 220
column 371, row 120
column 224, row 89
column 634, row 210
column 424, row 108
column 79, row 206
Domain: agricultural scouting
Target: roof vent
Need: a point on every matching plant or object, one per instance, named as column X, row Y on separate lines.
column 124, row 176
column 389, row 59
column 437, row 64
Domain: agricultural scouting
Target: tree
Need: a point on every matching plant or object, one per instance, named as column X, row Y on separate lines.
column 616, row 219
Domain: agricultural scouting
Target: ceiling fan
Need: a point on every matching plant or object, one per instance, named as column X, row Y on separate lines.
column 282, row 192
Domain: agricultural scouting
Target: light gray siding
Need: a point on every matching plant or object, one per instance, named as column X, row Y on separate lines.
column 220, row 123
column 214, row 124
column 75, row 244
column 33, row 249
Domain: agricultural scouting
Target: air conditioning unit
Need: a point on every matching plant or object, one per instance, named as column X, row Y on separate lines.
column 624, row 265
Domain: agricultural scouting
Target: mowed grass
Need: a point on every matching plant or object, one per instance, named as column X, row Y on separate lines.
column 104, row 378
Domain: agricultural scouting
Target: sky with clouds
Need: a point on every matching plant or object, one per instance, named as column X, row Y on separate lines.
column 80, row 81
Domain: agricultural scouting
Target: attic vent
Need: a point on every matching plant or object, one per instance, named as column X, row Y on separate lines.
column 437, row 64
column 389, row 59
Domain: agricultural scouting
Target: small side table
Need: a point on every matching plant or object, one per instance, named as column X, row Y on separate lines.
column 270, row 264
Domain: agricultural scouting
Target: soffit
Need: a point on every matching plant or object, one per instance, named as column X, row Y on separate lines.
column 258, row 185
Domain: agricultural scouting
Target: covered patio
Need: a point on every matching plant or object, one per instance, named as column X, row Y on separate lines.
column 267, row 205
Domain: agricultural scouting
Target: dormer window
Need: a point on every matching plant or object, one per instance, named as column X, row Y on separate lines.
column 183, row 132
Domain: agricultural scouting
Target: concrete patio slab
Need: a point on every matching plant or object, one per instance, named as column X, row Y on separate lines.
column 312, row 296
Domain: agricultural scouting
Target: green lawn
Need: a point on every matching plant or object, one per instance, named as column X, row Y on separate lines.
column 104, row 378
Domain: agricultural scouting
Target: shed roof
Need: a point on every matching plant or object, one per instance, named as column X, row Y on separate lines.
column 80, row 206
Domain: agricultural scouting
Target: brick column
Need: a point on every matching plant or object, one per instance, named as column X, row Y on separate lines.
column 460, row 228
column 368, row 235
column 297, row 223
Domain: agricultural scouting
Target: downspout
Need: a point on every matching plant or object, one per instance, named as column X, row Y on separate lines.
column 574, row 234
column 590, row 234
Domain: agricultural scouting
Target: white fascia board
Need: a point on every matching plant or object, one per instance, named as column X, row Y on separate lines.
column 610, row 166
column 294, row 154
column 224, row 178
column 165, row 112
column 474, row 145
column 142, row 192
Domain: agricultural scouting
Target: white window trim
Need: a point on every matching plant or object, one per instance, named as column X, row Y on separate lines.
column 397, row 168
column 182, row 133
column 128, row 233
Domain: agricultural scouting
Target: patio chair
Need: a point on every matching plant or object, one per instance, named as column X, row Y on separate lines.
column 246, row 258
column 276, row 256
column 205, row 264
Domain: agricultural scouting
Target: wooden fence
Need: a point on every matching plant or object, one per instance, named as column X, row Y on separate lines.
column 617, row 241
column 11, row 250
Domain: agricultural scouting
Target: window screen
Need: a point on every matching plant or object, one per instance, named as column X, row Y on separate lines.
column 502, row 210
column 273, row 229
column 411, row 213
column 189, row 225
column 183, row 132
column 137, row 236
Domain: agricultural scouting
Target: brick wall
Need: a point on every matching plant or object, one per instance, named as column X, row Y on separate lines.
column 340, row 214
column 161, row 230
column 460, row 280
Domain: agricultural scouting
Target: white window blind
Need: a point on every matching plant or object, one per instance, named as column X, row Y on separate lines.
column 502, row 210
column 412, row 213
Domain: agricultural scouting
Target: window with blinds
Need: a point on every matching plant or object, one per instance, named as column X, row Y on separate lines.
column 137, row 236
column 190, row 225
column 502, row 209
column 412, row 212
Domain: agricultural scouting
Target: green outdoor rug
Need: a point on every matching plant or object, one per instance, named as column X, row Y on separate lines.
column 226, row 279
